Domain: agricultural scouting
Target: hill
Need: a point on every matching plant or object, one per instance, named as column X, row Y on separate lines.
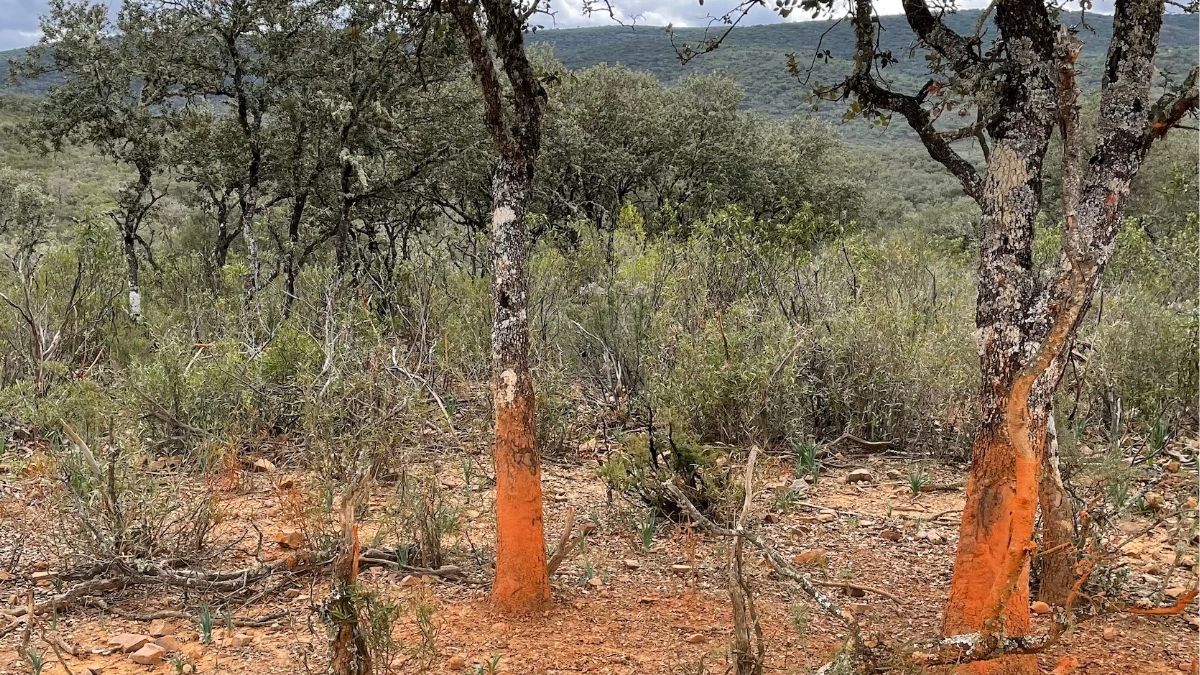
column 756, row 56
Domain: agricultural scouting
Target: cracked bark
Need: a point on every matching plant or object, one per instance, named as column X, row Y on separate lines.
column 521, row 583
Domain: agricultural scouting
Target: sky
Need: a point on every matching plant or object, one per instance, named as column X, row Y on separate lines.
column 19, row 18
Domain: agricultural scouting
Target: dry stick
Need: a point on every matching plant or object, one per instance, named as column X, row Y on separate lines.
column 567, row 543
column 748, row 657
column 1179, row 607
column 780, row 565
column 247, row 622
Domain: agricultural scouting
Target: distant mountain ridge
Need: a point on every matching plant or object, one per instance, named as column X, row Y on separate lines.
column 756, row 56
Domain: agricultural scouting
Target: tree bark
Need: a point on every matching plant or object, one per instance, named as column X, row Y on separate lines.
column 521, row 583
column 1056, row 564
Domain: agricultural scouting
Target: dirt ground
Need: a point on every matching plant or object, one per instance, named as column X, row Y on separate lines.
column 619, row 607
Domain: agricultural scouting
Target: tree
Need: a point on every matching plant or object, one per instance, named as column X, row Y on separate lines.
column 521, row 583
column 1019, row 83
column 111, row 99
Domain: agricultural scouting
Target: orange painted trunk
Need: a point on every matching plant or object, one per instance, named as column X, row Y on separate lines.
column 521, row 584
column 990, row 587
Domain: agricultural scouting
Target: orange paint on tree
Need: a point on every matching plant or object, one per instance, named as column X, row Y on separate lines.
column 521, row 584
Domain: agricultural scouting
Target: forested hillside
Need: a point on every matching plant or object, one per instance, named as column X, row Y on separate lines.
column 757, row 56
column 371, row 338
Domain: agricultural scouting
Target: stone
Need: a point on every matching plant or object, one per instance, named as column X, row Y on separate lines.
column 149, row 655
column 263, row 465
column 128, row 642
column 456, row 662
column 859, row 476
column 632, row 564
column 41, row 578
column 1039, row 607
column 817, row 557
column 158, row 628
column 891, row 535
column 930, row 536
column 826, row 517
column 1175, row 592
column 1154, row 501
column 1110, row 633
column 169, row 643
column 595, row 582
column 681, row 569
column 695, row 639
column 893, row 474
column 798, row 487
column 289, row 539
column 240, row 640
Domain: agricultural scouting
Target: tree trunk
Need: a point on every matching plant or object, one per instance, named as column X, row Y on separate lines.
column 292, row 271
column 349, row 653
column 1056, row 564
column 521, row 584
column 989, row 592
column 128, row 244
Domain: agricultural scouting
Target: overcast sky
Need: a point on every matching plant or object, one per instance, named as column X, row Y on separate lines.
column 19, row 18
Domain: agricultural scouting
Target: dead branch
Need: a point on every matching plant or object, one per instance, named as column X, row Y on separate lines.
column 1179, row 607
column 567, row 543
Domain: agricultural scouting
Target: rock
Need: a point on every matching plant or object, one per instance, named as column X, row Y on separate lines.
column 41, row 578
column 456, row 662
column 826, row 517
column 128, row 642
column 816, row 556
column 859, row 476
column 40, row 566
column 632, row 564
column 1173, row 466
column 681, row 569
column 930, row 536
column 158, row 628
column 1110, row 633
column 240, row 640
column 1039, row 607
column 595, row 582
column 798, row 487
column 1154, row 501
column 893, row 474
column 771, row 518
column 292, row 539
column 263, row 465
column 695, row 639
column 1175, row 591
column 891, row 534
column 149, row 655
column 169, row 643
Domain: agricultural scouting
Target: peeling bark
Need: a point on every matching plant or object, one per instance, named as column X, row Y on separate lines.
column 1056, row 565
column 522, row 583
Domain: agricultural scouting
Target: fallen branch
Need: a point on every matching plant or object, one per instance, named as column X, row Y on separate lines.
column 1179, row 607
column 844, row 585
column 781, row 566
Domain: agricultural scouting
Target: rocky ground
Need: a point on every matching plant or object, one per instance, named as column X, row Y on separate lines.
column 624, row 605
